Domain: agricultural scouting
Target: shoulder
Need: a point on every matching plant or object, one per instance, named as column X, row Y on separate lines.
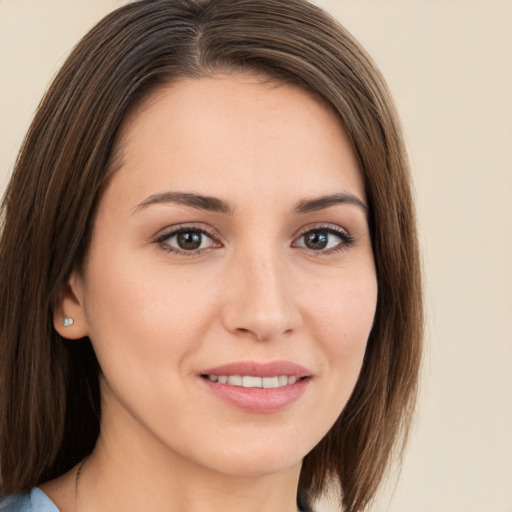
column 32, row 501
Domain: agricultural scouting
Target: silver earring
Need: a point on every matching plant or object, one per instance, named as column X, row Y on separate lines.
column 67, row 321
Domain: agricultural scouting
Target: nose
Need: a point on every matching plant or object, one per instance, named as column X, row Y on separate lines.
column 260, row 300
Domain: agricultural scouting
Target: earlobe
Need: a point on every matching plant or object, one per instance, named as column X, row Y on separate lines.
column 69, row 317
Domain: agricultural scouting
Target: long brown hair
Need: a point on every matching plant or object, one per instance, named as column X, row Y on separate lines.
column 49, row 395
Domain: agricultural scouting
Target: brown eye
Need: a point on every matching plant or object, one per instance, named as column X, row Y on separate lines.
column 189, row 240
column 316, row 240
column 186, row 240
column 324, row 239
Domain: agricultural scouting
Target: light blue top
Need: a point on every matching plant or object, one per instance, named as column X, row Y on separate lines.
column 32, row 501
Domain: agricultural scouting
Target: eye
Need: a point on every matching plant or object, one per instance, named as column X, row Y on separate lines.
column 326, row 239
column 186, row 240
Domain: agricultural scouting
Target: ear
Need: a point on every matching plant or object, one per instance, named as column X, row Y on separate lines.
column 69, row 317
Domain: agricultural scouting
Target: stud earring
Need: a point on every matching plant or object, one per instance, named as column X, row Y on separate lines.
column 67, row 321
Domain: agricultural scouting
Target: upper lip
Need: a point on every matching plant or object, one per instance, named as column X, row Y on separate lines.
column 259, row 369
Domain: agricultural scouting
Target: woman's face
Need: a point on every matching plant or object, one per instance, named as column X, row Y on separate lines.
column 230, row 249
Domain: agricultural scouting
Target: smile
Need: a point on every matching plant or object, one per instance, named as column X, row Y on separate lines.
column 251, row 381
column 258, row 387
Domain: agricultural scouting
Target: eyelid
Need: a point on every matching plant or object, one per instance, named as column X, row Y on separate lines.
column 180, row 228
column 346, row 239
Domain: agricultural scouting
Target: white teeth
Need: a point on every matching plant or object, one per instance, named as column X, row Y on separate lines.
column 282, row 380
column 250, row 381
column 270, row 382
column 235, row 380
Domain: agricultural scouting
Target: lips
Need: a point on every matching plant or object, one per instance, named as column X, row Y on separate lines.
column 258, row 387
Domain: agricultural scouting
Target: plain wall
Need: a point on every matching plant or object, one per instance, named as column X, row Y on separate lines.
column 449, row 66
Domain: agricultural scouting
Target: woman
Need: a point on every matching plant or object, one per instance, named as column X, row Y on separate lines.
column 210, row 281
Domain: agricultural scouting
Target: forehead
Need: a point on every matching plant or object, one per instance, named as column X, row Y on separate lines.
column 214, row 134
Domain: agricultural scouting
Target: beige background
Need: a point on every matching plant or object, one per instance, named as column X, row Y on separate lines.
column 449, row 65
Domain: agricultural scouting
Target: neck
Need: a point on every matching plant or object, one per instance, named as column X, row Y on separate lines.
column 131, row 470
column 130, row 483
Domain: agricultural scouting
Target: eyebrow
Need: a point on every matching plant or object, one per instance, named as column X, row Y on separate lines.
column 320, row 203
column 211, row 204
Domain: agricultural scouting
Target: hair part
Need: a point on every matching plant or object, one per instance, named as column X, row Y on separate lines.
column 49, row 395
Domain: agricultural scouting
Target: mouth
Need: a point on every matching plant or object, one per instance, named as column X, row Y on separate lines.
column 253, row 381
column 258, row 387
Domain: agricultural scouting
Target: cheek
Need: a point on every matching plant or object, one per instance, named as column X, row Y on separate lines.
column 345, row 306
column 142, row 326
column 342, row 315
column 138, row 312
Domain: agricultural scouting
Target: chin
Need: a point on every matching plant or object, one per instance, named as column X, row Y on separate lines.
column 256, row 460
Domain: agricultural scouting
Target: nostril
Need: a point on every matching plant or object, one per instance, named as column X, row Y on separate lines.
column 243, row 330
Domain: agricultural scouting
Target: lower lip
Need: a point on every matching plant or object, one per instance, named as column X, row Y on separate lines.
column 260, row 400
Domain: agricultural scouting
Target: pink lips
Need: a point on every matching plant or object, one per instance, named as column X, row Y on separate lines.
column 259, row 400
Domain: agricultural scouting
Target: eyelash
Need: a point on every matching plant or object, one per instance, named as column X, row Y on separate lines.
column 346, row 240
column 161, row 240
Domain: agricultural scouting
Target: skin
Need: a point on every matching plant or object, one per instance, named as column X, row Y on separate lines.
column 253, row 291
